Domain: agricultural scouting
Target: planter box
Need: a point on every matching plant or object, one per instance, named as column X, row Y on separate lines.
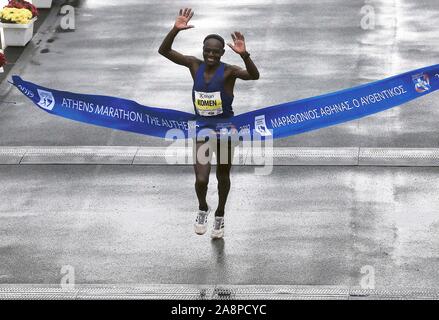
column 42, row 4
column 18, row 34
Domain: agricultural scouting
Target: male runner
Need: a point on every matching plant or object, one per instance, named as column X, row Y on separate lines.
column 212, row 96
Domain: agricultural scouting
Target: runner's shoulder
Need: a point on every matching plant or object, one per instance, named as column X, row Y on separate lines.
column 230, row 69
column 193, row 60
column 193, row 63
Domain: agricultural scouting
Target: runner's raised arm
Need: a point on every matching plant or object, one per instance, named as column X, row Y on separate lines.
column 251, row 71
column 181, row 23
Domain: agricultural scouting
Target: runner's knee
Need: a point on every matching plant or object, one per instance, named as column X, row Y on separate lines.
column 201, row 179
column 223, row 173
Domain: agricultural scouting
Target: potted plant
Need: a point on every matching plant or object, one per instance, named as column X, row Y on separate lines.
column 17, row 21
column 2, row 60
column 43, row 4
column 23, row 4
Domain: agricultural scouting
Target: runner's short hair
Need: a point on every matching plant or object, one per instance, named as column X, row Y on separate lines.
column 215, row 36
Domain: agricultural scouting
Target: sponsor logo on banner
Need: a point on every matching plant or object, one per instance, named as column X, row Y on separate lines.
column 422, row 82
column 47, row 101
column 26, row 91
column 261, row 126
column 208, row 103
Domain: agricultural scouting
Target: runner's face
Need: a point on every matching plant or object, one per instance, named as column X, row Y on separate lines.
column 212, row 51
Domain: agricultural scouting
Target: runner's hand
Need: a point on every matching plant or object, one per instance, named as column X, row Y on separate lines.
column 238, row 43
column 183, row 18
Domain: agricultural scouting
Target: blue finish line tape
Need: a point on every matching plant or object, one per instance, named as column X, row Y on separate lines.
column 272, row 122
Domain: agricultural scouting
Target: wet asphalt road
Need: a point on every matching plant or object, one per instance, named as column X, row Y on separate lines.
column 302, row 48
column 132, row 224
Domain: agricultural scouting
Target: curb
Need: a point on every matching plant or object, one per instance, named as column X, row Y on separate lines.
column 278, row 156
column 207, row 292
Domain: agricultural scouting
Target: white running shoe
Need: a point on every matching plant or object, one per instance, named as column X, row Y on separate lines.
column 201, row 221
column 218, row 228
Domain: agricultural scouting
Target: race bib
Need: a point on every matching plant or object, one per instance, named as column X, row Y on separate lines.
column 208, row 103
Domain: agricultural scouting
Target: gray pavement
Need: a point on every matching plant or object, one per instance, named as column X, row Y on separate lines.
column 300, row 226
column 303, row 48
column 133, row 225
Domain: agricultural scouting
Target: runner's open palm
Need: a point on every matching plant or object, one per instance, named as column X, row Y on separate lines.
column 183, row 18
column 238, row 43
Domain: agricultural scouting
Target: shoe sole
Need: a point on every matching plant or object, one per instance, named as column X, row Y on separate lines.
column 217, row 235
column 200, row 229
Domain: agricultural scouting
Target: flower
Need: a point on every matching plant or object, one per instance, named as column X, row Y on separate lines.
column 22, row 4
column 2, row 59
column 14, row 15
